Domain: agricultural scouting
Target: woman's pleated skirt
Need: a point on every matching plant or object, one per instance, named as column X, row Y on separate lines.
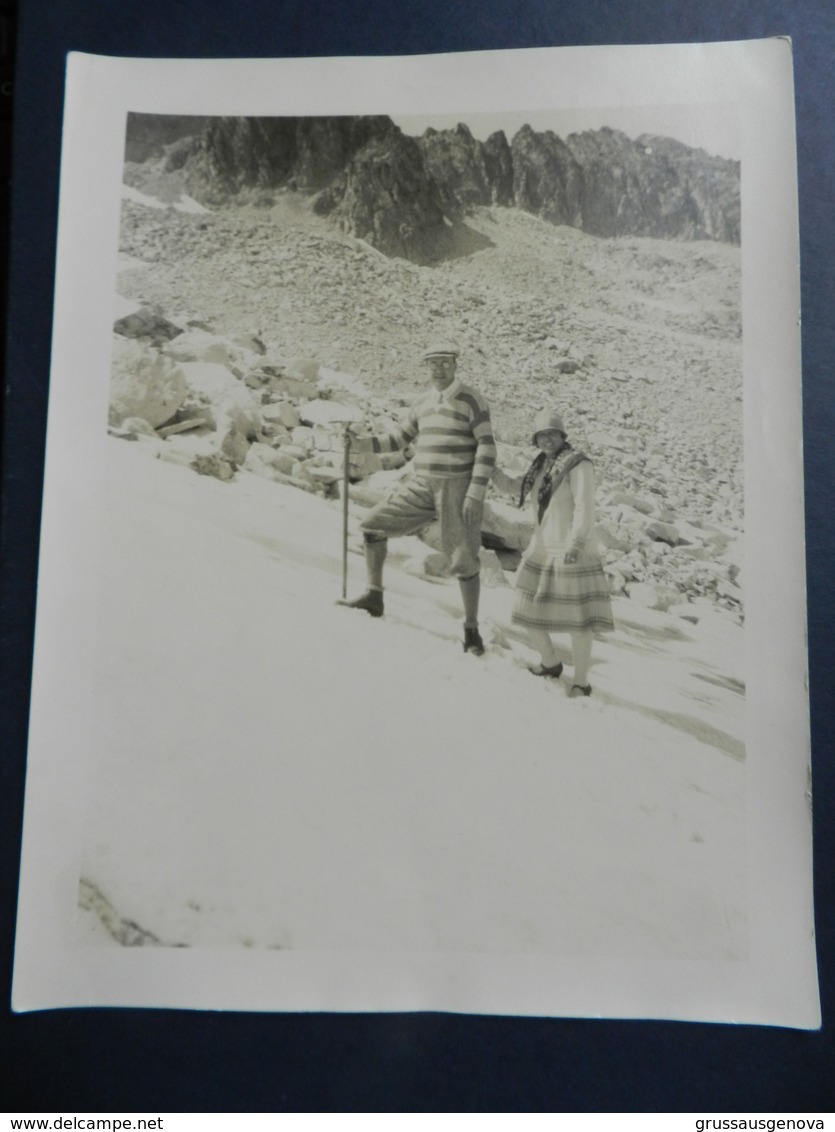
column 560, row 597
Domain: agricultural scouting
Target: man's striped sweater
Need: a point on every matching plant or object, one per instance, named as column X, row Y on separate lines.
column 453, row 437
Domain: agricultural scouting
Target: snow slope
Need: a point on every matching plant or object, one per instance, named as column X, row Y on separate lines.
column 184, row 203
column 270, row 770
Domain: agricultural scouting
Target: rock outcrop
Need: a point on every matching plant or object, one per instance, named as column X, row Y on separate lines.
column 144, row 384
column 468, row 172
column 711, row 185
column 547, row 180
column 654, row 187
column 235, row 155
column 386, row 197
column 152, row 135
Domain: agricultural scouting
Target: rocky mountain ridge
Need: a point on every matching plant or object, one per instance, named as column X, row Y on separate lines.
column 410, row 197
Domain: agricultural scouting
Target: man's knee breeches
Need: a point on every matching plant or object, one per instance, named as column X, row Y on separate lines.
column 419, row 503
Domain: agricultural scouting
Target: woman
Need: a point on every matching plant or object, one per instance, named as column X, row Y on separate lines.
column 560, row 585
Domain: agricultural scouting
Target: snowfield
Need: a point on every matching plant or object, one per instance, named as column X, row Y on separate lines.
column 270, row 770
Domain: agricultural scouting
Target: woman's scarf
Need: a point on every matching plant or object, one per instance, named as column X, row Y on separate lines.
column 554, row 470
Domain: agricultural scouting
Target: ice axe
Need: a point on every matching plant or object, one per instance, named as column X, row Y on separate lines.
column 346, row 467
column 347, row 416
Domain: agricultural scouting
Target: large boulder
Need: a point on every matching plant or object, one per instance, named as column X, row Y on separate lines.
column 304, row 370
column 323, row 473
column 144, row 383
column 282, row 382
column 281, row 413
column 235, row 446
column 373, row 490
column 505, row 526
column 609, row 538
column 148, row 324
column 211, row 379
column 198, row 345
column 215, row 465
column 232, row 404
column 627, row 499
column 324, row 412
column 330, row 381
column 663, row 532
column 432, row 564
column 269, row 463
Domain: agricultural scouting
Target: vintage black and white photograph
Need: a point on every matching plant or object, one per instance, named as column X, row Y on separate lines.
column 419, row 618
column 479, row 321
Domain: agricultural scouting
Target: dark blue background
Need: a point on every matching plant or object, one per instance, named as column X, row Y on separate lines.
column 112, row 1060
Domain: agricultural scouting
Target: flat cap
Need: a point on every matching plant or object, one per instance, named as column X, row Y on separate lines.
column 440, row 350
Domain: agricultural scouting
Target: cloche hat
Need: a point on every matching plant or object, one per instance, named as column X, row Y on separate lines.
column 545, row 420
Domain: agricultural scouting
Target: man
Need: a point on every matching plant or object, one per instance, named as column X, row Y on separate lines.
column 454, row 459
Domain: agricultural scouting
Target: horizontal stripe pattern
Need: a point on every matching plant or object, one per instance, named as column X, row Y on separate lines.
column 452, row 438
column 560, row 597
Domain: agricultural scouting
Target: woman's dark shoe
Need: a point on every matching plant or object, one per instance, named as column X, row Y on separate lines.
column 473, row 642
column 580, row 690
column 554, row 670
column 371, row 601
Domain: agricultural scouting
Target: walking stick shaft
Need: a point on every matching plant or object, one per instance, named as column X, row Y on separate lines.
column 346, row 443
